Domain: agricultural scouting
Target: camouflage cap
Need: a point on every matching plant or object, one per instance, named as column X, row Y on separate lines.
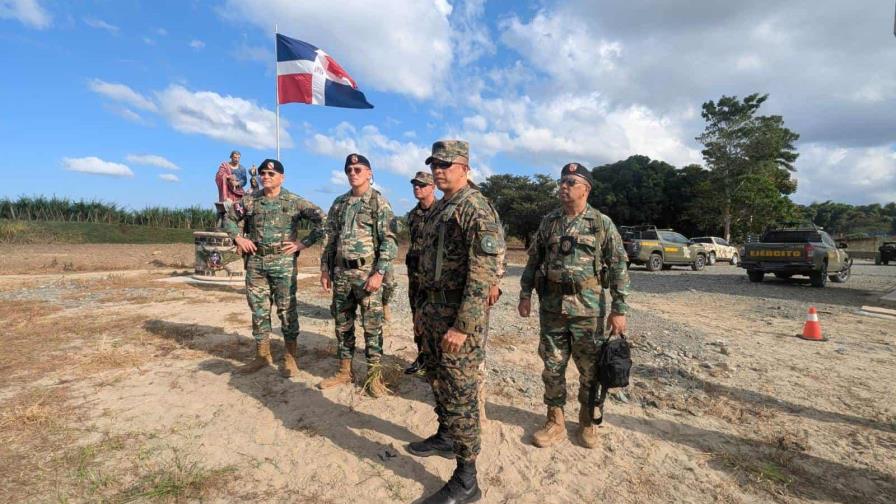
column 423, row 178
column 447, row 150
column 577, row 170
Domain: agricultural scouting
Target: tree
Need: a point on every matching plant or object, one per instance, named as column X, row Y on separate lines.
column 639, row 190
column 750, row 158
column 521, row 201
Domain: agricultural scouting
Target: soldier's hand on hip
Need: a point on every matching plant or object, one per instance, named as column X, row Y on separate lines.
column 453, row 341
column 291, row 247
column 244, row 245
column 524, row 307
column 325, row 281
column 616, row 323
column 373, row 282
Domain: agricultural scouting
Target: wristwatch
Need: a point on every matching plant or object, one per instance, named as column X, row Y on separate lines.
column 381, row 271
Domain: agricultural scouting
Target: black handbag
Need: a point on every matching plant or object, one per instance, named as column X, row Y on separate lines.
column 614, row 365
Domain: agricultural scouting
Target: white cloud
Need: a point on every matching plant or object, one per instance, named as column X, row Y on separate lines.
column 390, row 45
column 227, row 118
column 403, row 158
column 197, row 44
column 100, row 24
column 161, row 32
column 563, row 47
column 151, row 160
column 96, row 166
column 149, row 41
column 169, row 177
column 552, row 131
column 29, row 12
column 121, row 93
column 126, row 114
column 851, row 175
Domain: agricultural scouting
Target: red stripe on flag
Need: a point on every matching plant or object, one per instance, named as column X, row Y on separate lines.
column 294, row 88
column 339, row 73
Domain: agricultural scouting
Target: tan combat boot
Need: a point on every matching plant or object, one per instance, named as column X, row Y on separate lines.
column 587, row 429
column 262, row 360
column 342, row 377
column 374, row 384
column 387, row 313
column 289, row 367
column 554, row 429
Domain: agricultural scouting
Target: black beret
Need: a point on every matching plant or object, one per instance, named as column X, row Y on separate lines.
column 271, row 164
column 577, row 170
column 353, row 159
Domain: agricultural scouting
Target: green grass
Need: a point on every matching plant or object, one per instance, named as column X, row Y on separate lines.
column 40, row 232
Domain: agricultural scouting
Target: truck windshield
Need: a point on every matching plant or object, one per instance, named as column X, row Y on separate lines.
column 791, row 237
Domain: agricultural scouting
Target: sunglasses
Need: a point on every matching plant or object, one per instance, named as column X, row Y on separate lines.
column 438, row 164
column 267, row 173
column 356, row 169
column 568, row 182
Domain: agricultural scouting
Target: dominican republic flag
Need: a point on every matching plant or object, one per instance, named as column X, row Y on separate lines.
column 306, row 74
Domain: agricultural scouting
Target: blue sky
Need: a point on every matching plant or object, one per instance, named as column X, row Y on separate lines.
column 137, row 102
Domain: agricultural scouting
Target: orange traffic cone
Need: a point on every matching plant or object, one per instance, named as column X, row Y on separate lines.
column 812, row 329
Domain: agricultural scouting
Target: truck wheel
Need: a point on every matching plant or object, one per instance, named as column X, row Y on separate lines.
column 711, row 260
column 655, row 263
column 756, row 276
column 886, row 262
column 840, row 277
column 783, row 276
column 734, row 260
column 819, row 278
column 699, row 262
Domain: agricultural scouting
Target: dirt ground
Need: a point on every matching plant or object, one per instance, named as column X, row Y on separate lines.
column 117, row 385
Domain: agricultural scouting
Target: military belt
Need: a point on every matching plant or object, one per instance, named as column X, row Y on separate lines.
column 572, row 287
column 354, row 263
column 447, row 296
column 269, row 249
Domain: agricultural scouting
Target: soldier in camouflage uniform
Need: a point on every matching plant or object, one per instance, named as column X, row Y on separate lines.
column 424, row 192
column 360, row 248
column 573, row 244
column 462, row 240
column 269, row 240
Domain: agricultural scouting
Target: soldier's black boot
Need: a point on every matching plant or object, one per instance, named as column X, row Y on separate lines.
column 461, row 488
column 415, row 366
column 439, row 444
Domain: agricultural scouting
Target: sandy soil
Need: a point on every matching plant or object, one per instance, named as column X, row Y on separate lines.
column 120, row 387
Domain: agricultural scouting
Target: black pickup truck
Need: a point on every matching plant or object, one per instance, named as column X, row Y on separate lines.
column 797, row 250
column 885, row 253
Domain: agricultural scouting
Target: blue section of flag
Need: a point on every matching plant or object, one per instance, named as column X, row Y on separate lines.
column 340, row 95
column 291, row 49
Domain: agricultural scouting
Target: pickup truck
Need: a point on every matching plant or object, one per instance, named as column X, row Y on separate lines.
column 717, row 249
column 885, row 253
column 797, row 250
column 661, row 248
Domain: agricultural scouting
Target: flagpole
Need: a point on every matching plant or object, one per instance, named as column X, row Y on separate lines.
column 277, row 92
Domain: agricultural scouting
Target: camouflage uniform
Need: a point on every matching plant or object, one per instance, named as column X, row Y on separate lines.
column 564, row 265
column 462, row 239
column 270, row 274
column 360, row 241
column 415, row 218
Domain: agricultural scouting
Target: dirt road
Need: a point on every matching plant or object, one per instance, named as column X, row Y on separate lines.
column 119, row 387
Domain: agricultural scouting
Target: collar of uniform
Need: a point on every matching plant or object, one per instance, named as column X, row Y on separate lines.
column 463, row 190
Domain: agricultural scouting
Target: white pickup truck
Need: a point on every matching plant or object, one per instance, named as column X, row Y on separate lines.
column 717, row 249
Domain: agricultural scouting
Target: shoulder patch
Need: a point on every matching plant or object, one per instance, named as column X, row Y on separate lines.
column 489, row 244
